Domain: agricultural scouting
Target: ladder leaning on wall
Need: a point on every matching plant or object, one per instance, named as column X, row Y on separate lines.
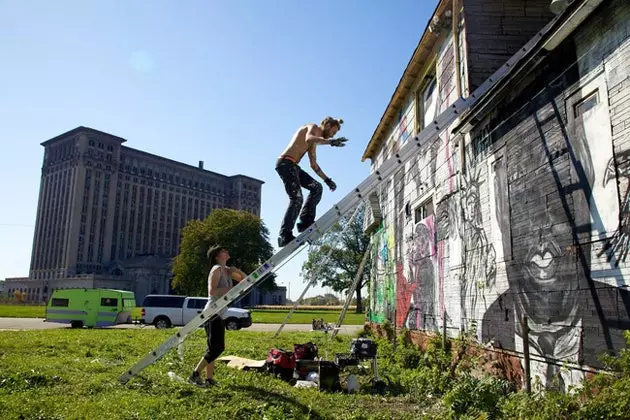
column 350, row 202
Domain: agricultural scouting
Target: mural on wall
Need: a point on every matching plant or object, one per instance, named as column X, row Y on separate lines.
column 383, row 288
column 556, row 196
column 479, row 254
column 616, row 248
column 422, row 173
column 536, row 229
column 399, row 213
column 446, row 234
column 416, row 292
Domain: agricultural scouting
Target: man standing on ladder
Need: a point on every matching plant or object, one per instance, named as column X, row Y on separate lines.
column 305, row 139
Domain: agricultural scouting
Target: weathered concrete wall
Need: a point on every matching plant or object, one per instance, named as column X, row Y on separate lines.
column 532, row 222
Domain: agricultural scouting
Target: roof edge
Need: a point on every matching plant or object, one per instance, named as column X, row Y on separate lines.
column 414, row 56
column 79, row 129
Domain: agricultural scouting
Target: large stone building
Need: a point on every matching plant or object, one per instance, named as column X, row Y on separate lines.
column 111, row 216
column 519, row 209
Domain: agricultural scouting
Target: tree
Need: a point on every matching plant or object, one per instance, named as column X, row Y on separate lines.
column 347, row 252
column 327, row 299
column 243, row 233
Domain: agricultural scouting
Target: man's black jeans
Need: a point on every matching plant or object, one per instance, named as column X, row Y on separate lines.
column 294, row 179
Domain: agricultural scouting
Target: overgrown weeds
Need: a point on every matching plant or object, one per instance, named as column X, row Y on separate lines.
column 448, row 378
column 74, row 374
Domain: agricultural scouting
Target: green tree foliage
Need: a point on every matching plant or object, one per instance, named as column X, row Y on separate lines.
column 243, row 233
column 327, row 299
column 348, row 249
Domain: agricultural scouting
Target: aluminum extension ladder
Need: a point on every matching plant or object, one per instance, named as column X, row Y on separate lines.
column 348, row 203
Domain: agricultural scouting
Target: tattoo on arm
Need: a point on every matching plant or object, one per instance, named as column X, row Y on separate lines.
column 312, row 155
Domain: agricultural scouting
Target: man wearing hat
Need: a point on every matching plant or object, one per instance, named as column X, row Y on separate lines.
column 219, row 283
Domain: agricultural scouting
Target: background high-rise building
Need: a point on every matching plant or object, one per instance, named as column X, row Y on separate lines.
column 111, row 216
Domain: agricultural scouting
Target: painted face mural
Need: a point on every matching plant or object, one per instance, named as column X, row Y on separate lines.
column 552, row 204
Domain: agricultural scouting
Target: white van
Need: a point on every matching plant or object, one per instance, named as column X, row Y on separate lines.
column 165, row 311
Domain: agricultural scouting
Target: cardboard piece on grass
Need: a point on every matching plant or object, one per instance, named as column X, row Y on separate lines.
column 241, row 363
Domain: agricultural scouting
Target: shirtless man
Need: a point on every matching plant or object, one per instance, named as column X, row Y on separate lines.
column 305, row 140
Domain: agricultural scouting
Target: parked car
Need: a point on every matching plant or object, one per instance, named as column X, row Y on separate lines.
column 165, row 311
column 90, row 307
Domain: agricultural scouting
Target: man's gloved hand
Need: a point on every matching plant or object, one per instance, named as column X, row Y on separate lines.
column 331, row 184
column 338, row 142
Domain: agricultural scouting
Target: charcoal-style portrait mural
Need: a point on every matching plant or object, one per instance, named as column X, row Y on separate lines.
column 616, row 248
column 420, row 258
column 480, row 265
column 545, row 200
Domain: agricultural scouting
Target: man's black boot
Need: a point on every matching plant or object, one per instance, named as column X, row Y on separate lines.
column 301, row 226
column 284, row 240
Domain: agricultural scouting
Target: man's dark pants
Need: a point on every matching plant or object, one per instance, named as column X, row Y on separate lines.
column 294, row 179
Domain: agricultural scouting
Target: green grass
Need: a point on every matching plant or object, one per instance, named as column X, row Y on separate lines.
column 268, row 316
column 36, row 311
column 264, row 316
column 22, row 311
column 74, row 374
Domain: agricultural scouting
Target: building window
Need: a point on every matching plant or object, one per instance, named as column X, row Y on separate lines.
column 423, row 211
column 586, row 104
column 426, row 102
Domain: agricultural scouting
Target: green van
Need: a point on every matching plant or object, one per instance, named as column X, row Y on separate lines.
column 90, row 307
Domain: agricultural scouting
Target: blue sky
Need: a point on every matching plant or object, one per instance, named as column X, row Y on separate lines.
column 227, row 82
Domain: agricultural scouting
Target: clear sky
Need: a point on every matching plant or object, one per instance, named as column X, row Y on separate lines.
column 226, row 82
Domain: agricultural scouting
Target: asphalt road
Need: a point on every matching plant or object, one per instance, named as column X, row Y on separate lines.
column 16, row 324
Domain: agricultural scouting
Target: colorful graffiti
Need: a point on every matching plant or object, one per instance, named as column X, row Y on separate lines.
column 382, row 286
column 532, row 222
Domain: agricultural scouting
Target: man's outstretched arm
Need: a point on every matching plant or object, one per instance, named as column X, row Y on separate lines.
column 312, row 156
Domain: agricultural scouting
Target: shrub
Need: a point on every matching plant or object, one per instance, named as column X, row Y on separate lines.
column 471, row 396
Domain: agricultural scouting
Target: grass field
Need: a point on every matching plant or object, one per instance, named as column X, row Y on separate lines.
column 73, row 374
column 55, row 374
column 264, row 316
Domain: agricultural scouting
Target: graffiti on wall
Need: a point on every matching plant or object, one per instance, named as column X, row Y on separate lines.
column 480, row 257
column 543, row 223
column 422, row 173
column 382, row 286
column 558, row 201
column 416, row 296
column 617, row 247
